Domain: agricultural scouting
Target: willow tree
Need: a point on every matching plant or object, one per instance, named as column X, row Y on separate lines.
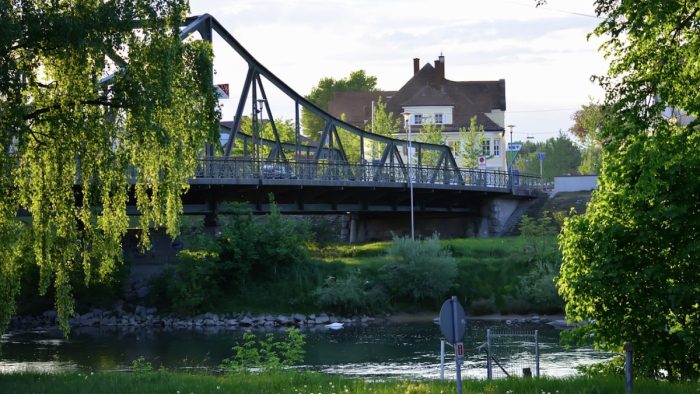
column 99, row 101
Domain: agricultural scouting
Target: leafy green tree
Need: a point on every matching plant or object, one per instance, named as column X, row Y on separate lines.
column 630, row 262
column 385, row 123
column 471, row 140
column 432, row 134
column 351, row 143
column 323, row 93
column 561, row 157
column 72, row 143
column 587, row 124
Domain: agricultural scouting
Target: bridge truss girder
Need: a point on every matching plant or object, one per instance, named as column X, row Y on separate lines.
column 329, row 146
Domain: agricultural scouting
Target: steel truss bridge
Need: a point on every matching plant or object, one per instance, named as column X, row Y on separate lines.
column 317, row 175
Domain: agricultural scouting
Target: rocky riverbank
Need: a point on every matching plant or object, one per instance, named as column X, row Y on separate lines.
column 149, row 317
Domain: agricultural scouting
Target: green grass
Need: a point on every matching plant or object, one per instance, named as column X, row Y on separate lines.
column 307, row 382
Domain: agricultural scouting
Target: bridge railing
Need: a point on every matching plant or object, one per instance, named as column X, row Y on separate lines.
column 326, row 171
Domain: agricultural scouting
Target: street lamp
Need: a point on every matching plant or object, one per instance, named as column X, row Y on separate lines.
column 510, row 126
column 407, row 127
column 257, row 130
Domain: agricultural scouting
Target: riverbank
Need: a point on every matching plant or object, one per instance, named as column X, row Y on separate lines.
column 307, row 382
column 148, row 317
column 422, row 317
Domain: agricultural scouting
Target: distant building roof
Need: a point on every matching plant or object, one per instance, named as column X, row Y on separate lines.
column 429, row 87
column 357, row 106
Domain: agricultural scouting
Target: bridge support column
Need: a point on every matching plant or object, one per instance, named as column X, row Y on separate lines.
column 352, row 238
column 211, row 219
column 494, row 215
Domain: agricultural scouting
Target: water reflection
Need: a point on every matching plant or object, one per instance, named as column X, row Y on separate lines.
column 377, row 350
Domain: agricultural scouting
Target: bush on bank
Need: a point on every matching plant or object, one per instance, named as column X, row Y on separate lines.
column 274, row 261
column 247, row 250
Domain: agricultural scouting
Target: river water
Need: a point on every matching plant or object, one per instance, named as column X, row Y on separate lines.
column 379, row 350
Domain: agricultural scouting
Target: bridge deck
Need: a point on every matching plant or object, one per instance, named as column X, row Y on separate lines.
column 330, row 188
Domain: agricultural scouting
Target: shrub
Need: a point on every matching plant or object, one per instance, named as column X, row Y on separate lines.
column 484, row 306
column 140, row 364
column 538, row 288
column 349, row 295
column 266, row 352
column 260, row 248
column 417, row 270
column 190, row 286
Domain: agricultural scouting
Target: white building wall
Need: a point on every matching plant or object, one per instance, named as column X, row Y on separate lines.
column 498, row 117
column 495, row 162
column 575, row 183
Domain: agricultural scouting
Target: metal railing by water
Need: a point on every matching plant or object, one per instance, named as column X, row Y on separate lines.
column 330, row 172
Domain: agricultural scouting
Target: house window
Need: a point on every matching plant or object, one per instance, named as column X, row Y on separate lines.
column 417, row 119
column 486, row 147
column 496, row 147
column 438, row 119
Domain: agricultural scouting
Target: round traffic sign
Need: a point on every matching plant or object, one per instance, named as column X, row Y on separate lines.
column 453, row 322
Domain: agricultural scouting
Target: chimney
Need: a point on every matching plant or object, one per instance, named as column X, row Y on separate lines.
column 416, row 65
column 440, row 69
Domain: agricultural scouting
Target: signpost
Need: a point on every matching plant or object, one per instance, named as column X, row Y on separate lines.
column 453, row 323
column 514, row 147
column 512, row 150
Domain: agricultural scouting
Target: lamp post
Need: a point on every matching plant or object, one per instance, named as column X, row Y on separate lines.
column 407, row 127
column 258, row 126
column 510, row 126
column 510, row 161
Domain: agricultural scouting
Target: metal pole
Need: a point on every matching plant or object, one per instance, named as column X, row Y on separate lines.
column 628, row 366
column 537, row 354
column 442, row 358
column 489, row 374
column 453, row 301
column 410, row 180
column 541, row 168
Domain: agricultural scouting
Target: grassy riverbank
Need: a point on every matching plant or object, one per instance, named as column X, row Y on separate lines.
column 494, row 276
column 294, row 382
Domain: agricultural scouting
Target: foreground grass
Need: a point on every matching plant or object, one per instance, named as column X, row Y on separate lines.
column 306, row 382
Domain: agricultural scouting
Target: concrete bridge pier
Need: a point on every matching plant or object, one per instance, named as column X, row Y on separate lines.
column 495, row 214
column 490, row 220
column 352, row 237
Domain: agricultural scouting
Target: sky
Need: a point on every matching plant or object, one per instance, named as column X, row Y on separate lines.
column 543, row 53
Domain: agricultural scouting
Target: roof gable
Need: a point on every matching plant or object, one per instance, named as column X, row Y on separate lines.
column 429, row 87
